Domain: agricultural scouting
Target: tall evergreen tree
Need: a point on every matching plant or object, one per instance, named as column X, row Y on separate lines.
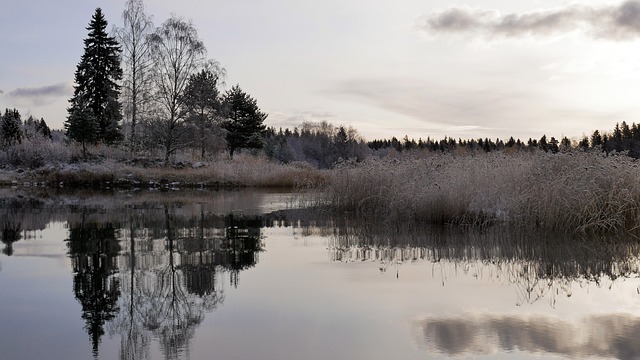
column 43, row 128
column 97, row 88
column 244, row 122
column 11, row 127
column 81, row 125
column 596, row 139
column 202, row 98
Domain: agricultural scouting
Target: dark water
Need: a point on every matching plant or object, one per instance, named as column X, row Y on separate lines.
column 245, row 275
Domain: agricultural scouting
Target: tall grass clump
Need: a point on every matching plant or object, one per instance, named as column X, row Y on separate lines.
column 241, row 171
column 567, row 192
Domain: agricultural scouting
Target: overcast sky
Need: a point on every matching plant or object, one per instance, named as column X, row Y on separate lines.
column 492, row 68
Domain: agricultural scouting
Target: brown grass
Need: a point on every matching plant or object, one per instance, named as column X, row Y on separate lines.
column 242, row 171
column 570, row 192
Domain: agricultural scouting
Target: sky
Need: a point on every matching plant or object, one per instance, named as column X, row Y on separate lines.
column 422, row 68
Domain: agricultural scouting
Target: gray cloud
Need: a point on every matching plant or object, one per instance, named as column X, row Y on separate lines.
column 296, row 118
column 41, row 95
column 496, row 109
column 437, row 108
column 613, row 335
column 613, row 22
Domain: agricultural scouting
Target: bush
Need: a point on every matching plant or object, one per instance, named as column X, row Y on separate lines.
column 35, row 152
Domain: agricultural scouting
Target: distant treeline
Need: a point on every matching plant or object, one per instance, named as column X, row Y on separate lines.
column 320, row 144
column 623, row 138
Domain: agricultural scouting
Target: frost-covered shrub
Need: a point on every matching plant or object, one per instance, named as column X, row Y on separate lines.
column 35, row 152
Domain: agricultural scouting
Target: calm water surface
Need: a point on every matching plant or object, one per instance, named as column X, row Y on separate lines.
column 244, row 275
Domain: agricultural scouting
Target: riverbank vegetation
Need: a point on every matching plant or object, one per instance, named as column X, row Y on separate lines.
column 574, row 189
column 574, row 192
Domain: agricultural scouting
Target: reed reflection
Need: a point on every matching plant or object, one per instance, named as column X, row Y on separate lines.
column 538, row 266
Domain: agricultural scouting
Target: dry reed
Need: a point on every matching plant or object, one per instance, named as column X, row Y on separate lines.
column 242, row 171
column 573, row 192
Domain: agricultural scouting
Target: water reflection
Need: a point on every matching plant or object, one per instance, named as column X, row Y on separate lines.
column 16, row 220
column 93, row 249
column 538, row 266
column 613, row 335
column 172, row 271
column 11, row 232
column 145, row 269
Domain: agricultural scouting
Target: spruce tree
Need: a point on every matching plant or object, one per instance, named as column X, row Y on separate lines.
column 11, row 127
column 43, row 128
column 245, row 121
column 202, row 98
column 81, row 126
column 97, row 88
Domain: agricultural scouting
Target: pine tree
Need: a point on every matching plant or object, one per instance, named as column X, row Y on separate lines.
column 97, row 88
column 245, row 121
column 81, row 125
column 11, row 127
column 596, row 139
column 43, row 128
column 202, row 98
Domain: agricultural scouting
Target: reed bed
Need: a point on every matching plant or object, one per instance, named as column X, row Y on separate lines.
column 242, row 171
column 574, row 192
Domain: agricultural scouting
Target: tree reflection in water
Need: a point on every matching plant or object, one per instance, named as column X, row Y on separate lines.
column 154, row 272
column 93, row 250
column 19, row 218
column 11, row 232
column 537, row 265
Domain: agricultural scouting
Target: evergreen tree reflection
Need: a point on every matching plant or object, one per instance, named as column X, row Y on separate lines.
column 93, row 250
column 198, row 262
column 11, row 232
column 241, row 245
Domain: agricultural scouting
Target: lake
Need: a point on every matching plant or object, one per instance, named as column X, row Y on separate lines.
column 250, row 275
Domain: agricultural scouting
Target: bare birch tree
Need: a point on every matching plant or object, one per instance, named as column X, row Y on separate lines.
column 177, row 54
column 134, row 39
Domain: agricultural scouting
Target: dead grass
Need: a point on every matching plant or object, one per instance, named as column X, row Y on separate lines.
column 572, row 192
column 242, row 171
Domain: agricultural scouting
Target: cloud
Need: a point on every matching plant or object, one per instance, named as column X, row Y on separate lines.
column 297, row 117
column 488, row 334
column 443, row 109
column 41, row 95
column 612, row 22
column 424, row 107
